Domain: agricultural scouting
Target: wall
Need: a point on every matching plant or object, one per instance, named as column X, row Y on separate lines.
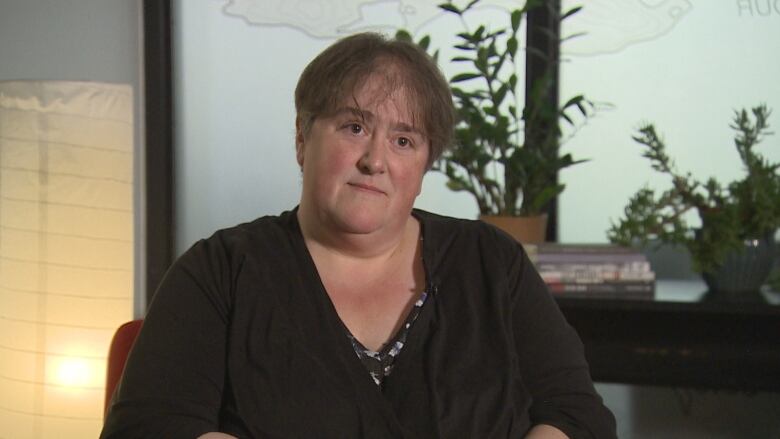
column 682, row 65
column 70, row 40
column 78, row 40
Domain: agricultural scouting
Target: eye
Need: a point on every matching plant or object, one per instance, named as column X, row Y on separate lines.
column 404, row 142
column 355, row 128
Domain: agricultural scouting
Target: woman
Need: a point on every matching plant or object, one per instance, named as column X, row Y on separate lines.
column 355, row 315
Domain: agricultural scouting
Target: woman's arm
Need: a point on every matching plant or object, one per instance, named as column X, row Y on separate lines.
column 173, row 379
column 552, row 361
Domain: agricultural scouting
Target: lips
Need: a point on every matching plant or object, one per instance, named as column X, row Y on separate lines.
column 367, row 188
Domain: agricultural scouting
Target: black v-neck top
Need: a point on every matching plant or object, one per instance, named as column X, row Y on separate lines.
column 241, row 337
column 380, row 363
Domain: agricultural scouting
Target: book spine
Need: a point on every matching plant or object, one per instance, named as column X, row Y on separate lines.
column 606, row 266
column 549, row 248
column 605, row 289
column 623, row 295
column 574, row 258
column 596, row 273
column 601, row 287
column 595, row 278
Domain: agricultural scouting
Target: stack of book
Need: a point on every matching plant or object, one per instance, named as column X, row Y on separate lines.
column 594, row 270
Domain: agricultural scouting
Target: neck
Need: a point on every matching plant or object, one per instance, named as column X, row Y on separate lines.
column 338, row 245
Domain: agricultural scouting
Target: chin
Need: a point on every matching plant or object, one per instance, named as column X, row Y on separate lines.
column 361, row 224
column 363, row 219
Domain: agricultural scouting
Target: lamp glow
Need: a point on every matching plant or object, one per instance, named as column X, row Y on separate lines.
column 74, row 372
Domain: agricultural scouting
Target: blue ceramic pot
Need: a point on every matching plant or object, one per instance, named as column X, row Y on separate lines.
column 744, row 270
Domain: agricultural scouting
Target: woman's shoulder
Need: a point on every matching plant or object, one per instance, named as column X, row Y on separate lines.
column 435, row 222
column 265, row 225
column 442, row 226
column 466, row 237
column 268, row 231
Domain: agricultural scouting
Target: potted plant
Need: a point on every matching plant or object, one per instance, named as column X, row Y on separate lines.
column 510, row 173
column 738, row 221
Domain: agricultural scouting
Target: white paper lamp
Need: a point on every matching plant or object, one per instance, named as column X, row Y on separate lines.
column 66, row 251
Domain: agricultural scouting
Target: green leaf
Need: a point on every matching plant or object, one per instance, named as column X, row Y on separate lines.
column 450, row 8
column 501, row 94
column 465, row 36
column 573, row 101
column 461, row 59
column 517, row 15
column 457, row 91
column 573, row 36
column 477, row 35
column 511, row 46
column 571, row 12
column 403, row 35
column 496, row 34
column 464, row 47
column 456, row 186
column 425, row 42
column 547, row 194
column 492, row 49
column 582, row 109
column 472, row 3
column 464, row 77
column 531, row 4
column 482, row 60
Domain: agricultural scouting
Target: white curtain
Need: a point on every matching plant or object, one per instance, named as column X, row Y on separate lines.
column 66, row 251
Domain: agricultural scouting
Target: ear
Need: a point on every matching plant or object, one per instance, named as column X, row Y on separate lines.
column 299, row 141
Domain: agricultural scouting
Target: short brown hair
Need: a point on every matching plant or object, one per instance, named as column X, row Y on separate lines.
column 343, row 67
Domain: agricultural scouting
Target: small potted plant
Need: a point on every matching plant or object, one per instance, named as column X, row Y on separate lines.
column 512, row 175
column 734, row 246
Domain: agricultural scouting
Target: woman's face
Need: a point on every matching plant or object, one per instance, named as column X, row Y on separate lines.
column 363, row 165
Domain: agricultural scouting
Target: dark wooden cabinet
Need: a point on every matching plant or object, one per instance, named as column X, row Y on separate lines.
column 685, row 337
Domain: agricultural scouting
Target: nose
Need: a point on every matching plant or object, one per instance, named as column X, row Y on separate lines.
column 373, row 159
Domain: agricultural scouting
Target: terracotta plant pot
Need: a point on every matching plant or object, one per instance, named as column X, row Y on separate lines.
column 525, row 229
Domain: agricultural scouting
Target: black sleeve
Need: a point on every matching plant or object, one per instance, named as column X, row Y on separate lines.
column 552, row 361
column 173, row 382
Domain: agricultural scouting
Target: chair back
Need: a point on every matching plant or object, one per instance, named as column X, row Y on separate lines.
column 117, row 355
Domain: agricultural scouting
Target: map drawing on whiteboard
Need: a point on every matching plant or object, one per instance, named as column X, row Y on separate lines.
column 602, row 26
column 609, row 26
column 337, row 18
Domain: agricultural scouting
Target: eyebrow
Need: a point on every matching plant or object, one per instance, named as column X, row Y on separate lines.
column 369, row 116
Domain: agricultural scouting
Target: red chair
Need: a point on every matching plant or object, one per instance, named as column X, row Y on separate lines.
column 117, row 355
